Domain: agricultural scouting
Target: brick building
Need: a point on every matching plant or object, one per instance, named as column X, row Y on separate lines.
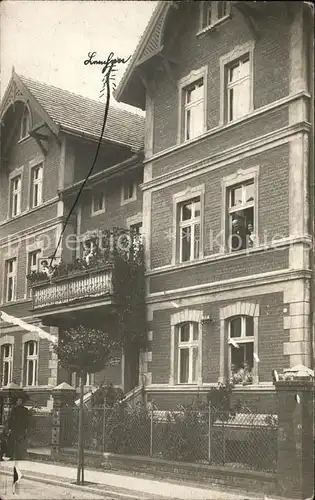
column 49, row 140
column 228, row 192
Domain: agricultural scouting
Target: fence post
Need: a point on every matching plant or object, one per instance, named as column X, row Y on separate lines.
column 104, row 426
column 151, row 433
column 295, row 469
column 224, row 451
column 64, row 396
column 209, row 433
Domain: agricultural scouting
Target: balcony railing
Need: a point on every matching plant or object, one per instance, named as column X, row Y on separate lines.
column 67, row 289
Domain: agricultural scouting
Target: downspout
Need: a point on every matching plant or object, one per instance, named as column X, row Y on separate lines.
column 311, row 175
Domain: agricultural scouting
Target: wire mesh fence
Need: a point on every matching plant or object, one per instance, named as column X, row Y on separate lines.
column 247, row 440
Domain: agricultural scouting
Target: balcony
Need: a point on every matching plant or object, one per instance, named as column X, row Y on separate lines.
column 92, row 287
column 68, row 290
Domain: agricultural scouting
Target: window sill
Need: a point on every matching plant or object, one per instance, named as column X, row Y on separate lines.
column 277, row 245
column 261, row 386
column 125, row 202
column 17, row 301
column 98, row 212
column 214, row 26
column 222, row 127
column 29, row 211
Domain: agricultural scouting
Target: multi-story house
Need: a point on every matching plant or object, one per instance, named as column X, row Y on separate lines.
column 49, row 140
column 227, row 194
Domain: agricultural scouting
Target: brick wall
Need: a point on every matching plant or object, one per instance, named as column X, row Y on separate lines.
column 84, row 154
column 20, row 155
column 207, row 147
column 115, row 213
column 271, row 66
column 272, row 205
column 271, row 336
column 20, row 249
column 209, row 272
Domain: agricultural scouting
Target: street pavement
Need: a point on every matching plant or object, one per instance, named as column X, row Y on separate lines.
column 42, row 480
column 37, row 490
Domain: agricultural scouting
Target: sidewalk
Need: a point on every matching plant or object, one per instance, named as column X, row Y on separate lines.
column 133, row 486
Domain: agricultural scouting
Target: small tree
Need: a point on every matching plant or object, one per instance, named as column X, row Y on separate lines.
column 84, row 350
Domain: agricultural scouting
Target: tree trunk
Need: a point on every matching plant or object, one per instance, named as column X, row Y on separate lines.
column 80, row 470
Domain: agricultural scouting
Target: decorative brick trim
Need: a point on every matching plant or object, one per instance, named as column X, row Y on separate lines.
column 239, row 309
column 7, row 339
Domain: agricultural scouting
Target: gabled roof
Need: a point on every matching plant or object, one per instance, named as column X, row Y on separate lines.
column 149, row 43
column 83, row 116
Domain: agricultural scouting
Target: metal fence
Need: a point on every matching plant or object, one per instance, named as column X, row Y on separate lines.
column 247, row 440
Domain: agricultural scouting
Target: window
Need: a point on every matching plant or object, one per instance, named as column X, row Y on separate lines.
column 241, row 349
column 188, row 352
column 10, row 282
column 36, row 186
column 33, row 264
column 129, row 191
column 7, row 363
column 213, row 12
column 25, row 124
column 189, row 230
column 31, row 362
column 194, row 110
column 89, row 381
column 241, row 216
column 192, row 100
column 238, row 88
column 98, row 202
column 16, row 195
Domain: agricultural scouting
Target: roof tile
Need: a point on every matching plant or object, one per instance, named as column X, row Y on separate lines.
column 85, row 115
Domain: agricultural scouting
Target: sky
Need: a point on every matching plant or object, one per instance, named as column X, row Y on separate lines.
column 49, row 40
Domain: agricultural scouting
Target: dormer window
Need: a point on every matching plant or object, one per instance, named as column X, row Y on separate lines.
column 213, row 13
column 25, row 124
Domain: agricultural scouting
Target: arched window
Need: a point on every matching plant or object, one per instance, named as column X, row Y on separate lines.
column 241, row 349
column 31, row 363
column 25, row 124
column 7, row 364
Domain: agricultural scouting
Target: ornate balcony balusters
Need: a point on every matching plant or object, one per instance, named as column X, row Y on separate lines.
column 72, row 288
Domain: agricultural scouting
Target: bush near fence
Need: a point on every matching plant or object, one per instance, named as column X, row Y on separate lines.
column 40, row 429
column 243, row 439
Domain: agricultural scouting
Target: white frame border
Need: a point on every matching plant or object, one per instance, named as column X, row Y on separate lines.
column 181, row 197
column 193, row 76
column 236, row 53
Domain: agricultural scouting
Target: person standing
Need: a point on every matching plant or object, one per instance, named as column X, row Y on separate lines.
column 17, row 429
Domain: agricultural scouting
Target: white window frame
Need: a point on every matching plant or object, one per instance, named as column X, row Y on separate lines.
column 31, row 267
column 205, row 25
column 37, row 184
column 225, row 62
column 10, row 275
column 7, row 360
column 128, row 183
column 189, row 345
column 241, row 207
column 192, row 223
column 28, row 358
column 75, row 381
column 178, row 200
column 16, row 194
column 185, row 316
column 243, row 339
column 95, row 197
column 228, row 313
column 239, row 177
column 24, row 131
column 193, row 77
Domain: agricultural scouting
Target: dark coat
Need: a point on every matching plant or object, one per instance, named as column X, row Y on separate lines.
column 18, row 421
